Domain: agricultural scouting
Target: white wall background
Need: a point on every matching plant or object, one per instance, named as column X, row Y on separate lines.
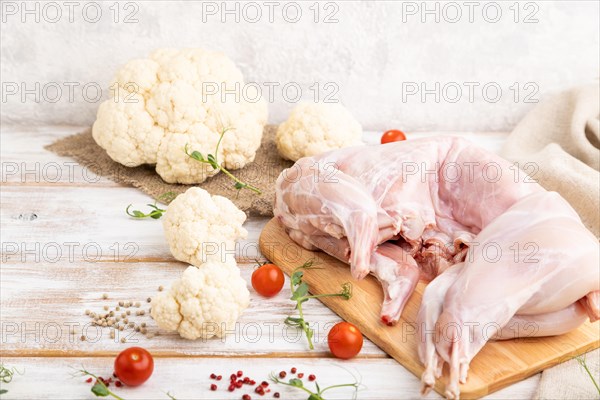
column 374, row 51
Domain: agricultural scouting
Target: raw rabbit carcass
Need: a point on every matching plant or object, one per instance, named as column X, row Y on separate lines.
column 499, row 250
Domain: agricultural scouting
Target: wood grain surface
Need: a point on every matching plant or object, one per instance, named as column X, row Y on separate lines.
column 498, row 364
column 50, row 205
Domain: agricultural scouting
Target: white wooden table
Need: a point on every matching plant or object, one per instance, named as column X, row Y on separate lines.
column 66, row 241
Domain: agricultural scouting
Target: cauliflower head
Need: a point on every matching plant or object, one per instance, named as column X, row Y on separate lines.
column 205, row 302
column 314, row 128
column 200, row 227
column 161, row 103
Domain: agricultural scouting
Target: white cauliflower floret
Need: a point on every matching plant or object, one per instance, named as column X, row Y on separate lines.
column 200, row 227
column 314, row 128
column 126, row 131
column 168, row 95
column 205, row 302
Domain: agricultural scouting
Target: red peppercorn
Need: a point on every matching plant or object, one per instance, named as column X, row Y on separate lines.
column 251, row 382
column 294, row 370
column 89, row 380
column 239, row 384
column 213, row 376
column 260, row 390
column 114, row 375
column 118, row 383
column 213, row 387
column 246, row 397
column 231, row 387
column 232, row 377
column 240, row 373
column 311, row 377
column 219, row 377
column 276, row 395
column 301, row 375
column 246, row 380
column 282, row 374
column 264, row 383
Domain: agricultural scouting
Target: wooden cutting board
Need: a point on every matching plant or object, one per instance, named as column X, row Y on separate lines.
column 497, row 365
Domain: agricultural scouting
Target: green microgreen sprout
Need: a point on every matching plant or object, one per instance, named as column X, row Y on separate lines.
column 300, row 295
column 211, row 159
column 318, row 395
column 155, row 212
column 6, row 375
column 583, row 363
column 99, row 389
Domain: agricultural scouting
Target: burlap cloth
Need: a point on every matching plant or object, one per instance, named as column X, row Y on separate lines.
column 262, row 173
column 562, row 137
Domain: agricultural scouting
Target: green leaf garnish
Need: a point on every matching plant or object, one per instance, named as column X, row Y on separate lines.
column 300, row 295
column 155, row 212
column 211, row 159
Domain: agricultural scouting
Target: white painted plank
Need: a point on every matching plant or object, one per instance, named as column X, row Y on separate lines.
column 25, row 161
column 188, row 378
column 42, row 302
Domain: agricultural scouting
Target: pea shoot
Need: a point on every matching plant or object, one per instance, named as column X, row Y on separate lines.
column 6, row 375
column 300, row 295
column 99, row 389
column 318, row 395
column 211, row 159
column 583, row 363
column 155, row 211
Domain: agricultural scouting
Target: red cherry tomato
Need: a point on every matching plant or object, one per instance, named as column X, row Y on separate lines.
column 345, row 340
column 133, row 366
column 268, row 280
column 392, row 136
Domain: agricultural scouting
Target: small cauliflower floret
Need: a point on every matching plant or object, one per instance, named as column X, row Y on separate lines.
column 205, row 302
column 312, row 129
column 200, row 227
column 177, row 96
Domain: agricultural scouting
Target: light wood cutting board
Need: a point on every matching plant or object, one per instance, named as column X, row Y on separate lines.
column 496, row 366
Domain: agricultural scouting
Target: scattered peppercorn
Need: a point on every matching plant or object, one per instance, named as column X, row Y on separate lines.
column 240, row 373
column 301, row 375
column 88, row 380
column 219, row 377
column 311, row 377
column 282, row 374
column 276, row 395
column 246, row 397
column 118, row 383
column 213, row 376
column 264, row 384
column 231, row 387
column 293, row 370
column 213, row 387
